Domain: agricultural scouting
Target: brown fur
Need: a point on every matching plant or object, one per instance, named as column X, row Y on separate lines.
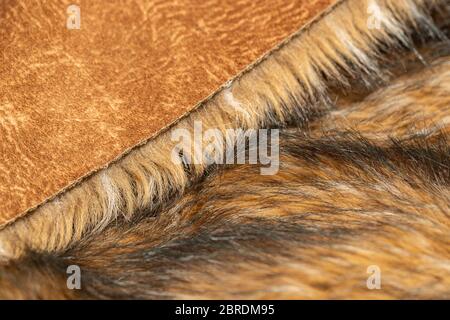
column 366, row 183
column 293, row 83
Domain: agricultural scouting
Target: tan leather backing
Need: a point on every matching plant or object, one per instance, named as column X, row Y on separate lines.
column 72, row 100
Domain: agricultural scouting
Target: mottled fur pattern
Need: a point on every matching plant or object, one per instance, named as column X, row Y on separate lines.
column 293, row 83
column 364, row 183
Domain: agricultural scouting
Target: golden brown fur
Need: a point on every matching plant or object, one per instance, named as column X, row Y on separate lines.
column 366, row 182
column 292, row 83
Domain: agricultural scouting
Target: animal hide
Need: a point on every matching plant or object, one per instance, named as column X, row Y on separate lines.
column 360, row 99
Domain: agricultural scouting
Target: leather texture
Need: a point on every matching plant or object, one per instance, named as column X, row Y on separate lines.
column 72, row 100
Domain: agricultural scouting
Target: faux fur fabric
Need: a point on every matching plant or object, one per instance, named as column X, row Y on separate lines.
column 85, row 81
column 364, row 185
column 297, row 81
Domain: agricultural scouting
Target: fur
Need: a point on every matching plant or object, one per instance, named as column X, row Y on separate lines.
column 366, row 183
column 292, row 83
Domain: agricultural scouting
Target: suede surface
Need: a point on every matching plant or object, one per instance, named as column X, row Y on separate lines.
column 72, row 100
